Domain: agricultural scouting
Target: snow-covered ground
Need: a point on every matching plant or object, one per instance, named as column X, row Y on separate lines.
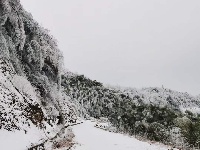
column 90, row 138
column 18, row 140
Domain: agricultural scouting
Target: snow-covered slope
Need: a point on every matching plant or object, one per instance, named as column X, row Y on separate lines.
column 16, row 126
column 32, row 103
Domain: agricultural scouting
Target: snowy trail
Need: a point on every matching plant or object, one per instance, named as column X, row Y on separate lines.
column 91, row 138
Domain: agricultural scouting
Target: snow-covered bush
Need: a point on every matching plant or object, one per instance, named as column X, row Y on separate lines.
column 176, row 137
column 24, row 86
column 105, row 126
column 4, row 52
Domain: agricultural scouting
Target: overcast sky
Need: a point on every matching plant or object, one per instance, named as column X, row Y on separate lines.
column 132, row 43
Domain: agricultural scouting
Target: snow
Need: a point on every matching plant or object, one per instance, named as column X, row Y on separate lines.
column 18, row 140
column 90, row 138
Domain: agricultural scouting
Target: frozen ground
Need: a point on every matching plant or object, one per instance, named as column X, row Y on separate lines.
column 91, row 138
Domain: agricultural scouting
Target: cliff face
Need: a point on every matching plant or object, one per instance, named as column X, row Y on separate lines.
column 30, row 70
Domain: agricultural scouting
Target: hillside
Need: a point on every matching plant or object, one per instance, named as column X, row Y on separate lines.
column 31, row 100
column 157, row 114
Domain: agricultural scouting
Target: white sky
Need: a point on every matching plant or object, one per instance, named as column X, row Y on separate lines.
column 134, row 43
